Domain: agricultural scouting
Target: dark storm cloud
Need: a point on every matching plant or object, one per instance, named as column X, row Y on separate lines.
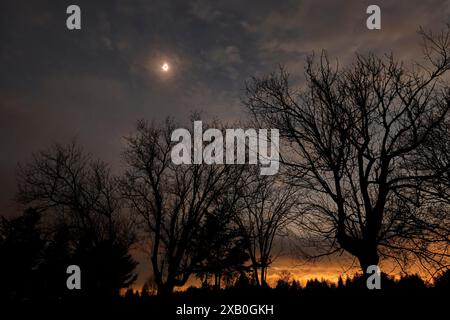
column 95, row 83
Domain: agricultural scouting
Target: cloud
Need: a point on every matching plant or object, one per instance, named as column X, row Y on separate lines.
column 227, row 58
column 204, row 10
column 288, row 34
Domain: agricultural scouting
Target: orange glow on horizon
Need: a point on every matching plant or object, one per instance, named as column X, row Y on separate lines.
column 303, row 271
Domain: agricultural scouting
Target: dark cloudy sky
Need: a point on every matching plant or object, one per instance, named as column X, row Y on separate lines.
column 95, row 83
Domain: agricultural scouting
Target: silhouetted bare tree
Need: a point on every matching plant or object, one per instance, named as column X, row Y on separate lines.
column 79, row 193
column 265, row 209
column 171, row 200
column 69, row 182
column 353, row 139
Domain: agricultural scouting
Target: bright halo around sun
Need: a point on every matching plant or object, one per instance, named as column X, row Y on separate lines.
column 165, row 67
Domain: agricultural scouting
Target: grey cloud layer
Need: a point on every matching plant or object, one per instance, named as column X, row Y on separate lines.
column 94, row 84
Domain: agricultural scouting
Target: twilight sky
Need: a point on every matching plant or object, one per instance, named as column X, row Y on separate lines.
column 95, row 83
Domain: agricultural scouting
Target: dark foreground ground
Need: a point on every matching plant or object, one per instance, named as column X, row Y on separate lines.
column 327, row 304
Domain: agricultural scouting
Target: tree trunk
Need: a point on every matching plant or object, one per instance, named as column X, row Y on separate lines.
column 366, row 259
column 217, row 281
column 165, row 290
column 367, row 254
column 263, row 276
column 256, row 275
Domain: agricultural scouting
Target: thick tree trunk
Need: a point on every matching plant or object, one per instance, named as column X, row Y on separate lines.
column 367, row 254
column 165, row 290
column 367, row 259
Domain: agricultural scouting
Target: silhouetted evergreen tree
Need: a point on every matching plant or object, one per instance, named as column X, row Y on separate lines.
column 20, row 253
column 315, row 285
column 411, row 282
column 106, row 267
column 443, row 280
column 221, row 250
column 340, row 284
column 56, row 257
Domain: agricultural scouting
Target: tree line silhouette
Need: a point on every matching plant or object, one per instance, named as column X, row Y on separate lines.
column 361, row 172
column 287, row 285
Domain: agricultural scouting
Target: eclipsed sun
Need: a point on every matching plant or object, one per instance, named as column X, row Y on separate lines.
column 165, row 67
